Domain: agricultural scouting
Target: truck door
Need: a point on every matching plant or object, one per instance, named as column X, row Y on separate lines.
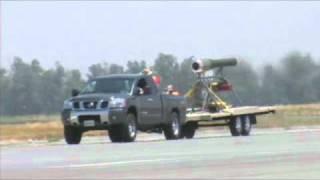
column 149, row 111
column 156, row 106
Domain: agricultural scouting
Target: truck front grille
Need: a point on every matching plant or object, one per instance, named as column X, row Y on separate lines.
column 90, row 105
column 76, row 105
column 104, row 104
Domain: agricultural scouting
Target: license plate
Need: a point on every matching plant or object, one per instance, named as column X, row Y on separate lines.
column 88, row 123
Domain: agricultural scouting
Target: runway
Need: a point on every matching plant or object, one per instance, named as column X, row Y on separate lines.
column 281, row 154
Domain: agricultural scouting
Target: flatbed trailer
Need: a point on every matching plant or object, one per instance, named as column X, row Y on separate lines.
column 212, row 110
column 239, row 119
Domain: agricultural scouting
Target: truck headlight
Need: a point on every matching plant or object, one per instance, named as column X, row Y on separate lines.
column 67, row 105
column 117, row 103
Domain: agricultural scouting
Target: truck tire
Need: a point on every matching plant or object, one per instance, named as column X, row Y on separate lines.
column 173, row 129
column 235, row 126
column 128, row 131
column 114, row 134
column 245, row 125
column 188, row 130
column 72, row 135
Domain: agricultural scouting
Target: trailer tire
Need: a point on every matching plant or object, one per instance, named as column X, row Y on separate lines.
column 188, row 130
column 173, row 129
column 235, row 126
column 72, row 135
column 246, row 125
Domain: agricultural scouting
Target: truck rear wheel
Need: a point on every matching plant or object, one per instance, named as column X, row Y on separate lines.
column 235, row 126
column 72, row 135
column 245, row 125
column 188, row 130
column 173, row 129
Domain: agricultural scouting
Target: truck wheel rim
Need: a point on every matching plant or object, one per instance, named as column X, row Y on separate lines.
column 175, row 126
column 132, row 127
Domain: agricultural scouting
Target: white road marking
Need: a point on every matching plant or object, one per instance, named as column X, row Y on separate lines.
column 114, row 163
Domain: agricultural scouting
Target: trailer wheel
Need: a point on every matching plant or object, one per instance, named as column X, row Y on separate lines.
column 72, row 135
column 173, row 129
column 245, row 125
column 235, row 126
column 188, row 130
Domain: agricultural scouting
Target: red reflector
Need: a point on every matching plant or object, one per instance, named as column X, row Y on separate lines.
column 225, row 87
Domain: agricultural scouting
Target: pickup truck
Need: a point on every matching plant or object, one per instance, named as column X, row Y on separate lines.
column 122, row 104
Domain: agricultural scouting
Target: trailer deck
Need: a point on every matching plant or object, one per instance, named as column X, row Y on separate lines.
column 228, row 113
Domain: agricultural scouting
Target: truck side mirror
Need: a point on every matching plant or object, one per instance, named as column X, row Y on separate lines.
column 75, row 92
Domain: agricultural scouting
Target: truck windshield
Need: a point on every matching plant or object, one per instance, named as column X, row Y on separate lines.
column 109, row 85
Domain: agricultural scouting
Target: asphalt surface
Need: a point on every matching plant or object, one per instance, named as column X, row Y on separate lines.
column 267, row 155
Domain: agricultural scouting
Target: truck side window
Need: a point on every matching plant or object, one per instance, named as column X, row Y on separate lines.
column 144, row 87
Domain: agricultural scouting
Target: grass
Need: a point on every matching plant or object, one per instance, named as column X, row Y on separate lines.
column 50, row 128
column 28, row 119
column 287, row 116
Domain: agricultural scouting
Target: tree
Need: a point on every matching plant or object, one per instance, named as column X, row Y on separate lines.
column 24, row 88
column 115, row 69
column 297, row 72
column 52, row 92
column 245, row 82
column 72, row 80
column 135, row 66
column 98, row 69
column 4, row 85
column 186, row 78
column 167, row 67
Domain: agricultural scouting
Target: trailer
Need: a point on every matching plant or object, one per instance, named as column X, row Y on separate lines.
column 208, row 109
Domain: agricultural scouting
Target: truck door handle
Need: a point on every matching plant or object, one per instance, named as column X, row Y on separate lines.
column 149, row 99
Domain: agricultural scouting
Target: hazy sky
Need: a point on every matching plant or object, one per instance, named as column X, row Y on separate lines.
column 81, row 33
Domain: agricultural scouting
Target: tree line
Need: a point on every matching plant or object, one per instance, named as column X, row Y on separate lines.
column 28, row 88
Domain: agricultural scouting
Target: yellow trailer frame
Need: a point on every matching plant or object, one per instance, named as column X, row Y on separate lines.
column 228, row 113
column 239, row 119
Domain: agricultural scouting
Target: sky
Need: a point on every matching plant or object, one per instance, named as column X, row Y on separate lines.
column 80, row 33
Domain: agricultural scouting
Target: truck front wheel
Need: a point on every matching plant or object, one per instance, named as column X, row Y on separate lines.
column 114, row 134
column 129, row 129
column 173, row 129
column 72, row 135
column 126, row 132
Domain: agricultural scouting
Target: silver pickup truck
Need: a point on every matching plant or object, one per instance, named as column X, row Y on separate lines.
column 122, row 104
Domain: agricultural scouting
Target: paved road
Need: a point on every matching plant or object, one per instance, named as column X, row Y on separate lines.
column 273, row 155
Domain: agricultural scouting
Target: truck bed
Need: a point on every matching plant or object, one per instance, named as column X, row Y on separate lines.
column 226, row 114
